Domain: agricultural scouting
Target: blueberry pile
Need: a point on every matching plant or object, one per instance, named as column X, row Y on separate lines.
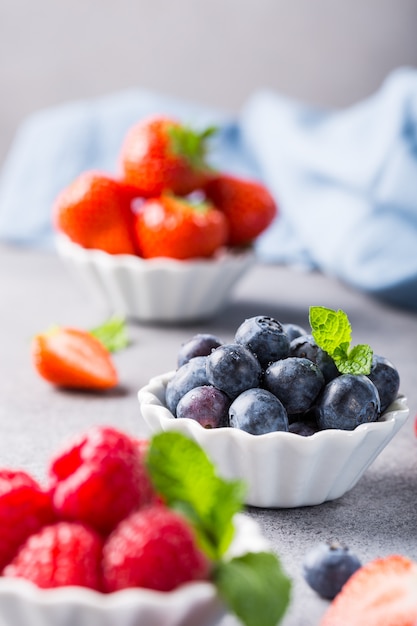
column 274, row 377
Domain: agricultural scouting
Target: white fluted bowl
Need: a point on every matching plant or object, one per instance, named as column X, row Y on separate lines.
column 157, row 290
column 24, row 604
column 281, row 469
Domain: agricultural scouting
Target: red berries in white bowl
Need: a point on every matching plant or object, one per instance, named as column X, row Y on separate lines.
column 165, row 238
column 103, row 541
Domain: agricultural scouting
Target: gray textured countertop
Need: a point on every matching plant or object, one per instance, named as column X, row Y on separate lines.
column 376, row 518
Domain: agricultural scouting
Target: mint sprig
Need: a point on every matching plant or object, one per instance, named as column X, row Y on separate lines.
column 254, row 585
column 183, row 474
column 249, row 582
column 112, row 333
column 332, row 332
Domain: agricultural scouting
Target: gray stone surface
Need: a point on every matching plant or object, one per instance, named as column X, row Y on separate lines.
column 376, row 518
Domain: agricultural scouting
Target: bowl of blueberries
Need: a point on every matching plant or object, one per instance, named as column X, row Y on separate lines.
column 297, row 414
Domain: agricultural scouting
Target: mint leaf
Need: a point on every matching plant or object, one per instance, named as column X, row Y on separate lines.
column 112, row 334
column 333, row 333
column 254, row 587
column 186, row 478
column 358, row 361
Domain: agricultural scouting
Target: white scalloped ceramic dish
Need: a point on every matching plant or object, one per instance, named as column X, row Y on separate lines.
column 24, row 604
column 281, row 470
column 160, row 289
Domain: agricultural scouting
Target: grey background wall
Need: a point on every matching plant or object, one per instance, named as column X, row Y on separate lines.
column 217, row 52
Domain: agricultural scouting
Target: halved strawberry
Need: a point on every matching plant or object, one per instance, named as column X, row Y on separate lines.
column 381, row 593
column 177, row 228
column 95, row 212
column 247, row 204
column 161, row 154
column 73, row 358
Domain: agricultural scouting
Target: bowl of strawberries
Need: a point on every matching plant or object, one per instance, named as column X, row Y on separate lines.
column 167, row 238
column 102, row 539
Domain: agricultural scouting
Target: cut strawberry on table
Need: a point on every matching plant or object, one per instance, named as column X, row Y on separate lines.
column 176, row 227
column 73, row 358
column 247, row 204
column 162, row 154
column 95, row 212
column 381, row 593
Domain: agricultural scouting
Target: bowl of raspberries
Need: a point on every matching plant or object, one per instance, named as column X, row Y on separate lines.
column 167, row 237
column 105, row 538
column 298, row 414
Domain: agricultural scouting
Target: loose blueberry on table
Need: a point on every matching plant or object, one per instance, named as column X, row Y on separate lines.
column 328, row 566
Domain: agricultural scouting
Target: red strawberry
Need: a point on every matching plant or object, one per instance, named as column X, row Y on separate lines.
column 381, row 593
column 247, row 204
column 58, row 555
column 161, row 154
column 94, row 211
column 99, row 478
column 173, row 227
column 69, row 357
column 154, row 548
column 24, row 508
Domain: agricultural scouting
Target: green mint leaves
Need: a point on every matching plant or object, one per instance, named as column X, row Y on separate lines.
column 254, row 585
column 112, row 334
column 183, row 474
column 332, row 332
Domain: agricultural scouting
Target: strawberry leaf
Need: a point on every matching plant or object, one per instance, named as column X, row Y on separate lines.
column 112, row 334
column 190, row 144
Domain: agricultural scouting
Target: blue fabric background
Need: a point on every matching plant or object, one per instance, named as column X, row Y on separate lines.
column 345, row 181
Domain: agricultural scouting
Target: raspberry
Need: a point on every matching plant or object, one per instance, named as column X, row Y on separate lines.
column 99, row 478
column 24, row 509
column 153, row 548
column 65, row 553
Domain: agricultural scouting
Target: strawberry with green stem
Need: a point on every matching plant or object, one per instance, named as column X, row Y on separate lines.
column 79, row 359
column 160, row 154
column 174, row 227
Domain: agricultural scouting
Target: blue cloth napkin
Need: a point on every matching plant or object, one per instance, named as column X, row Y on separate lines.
column 345, row 181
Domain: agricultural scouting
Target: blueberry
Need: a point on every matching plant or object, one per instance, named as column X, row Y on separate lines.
column 232, row 368
column 257, row 411
column 191, row 374
column 265, row 337
column 199, row 345
column 293, row 331
column 328, row 566
column 386, row 379
column 346, row 402
column 295, row 381
column 206, row 405
column 305, row 429
column 305, row 346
